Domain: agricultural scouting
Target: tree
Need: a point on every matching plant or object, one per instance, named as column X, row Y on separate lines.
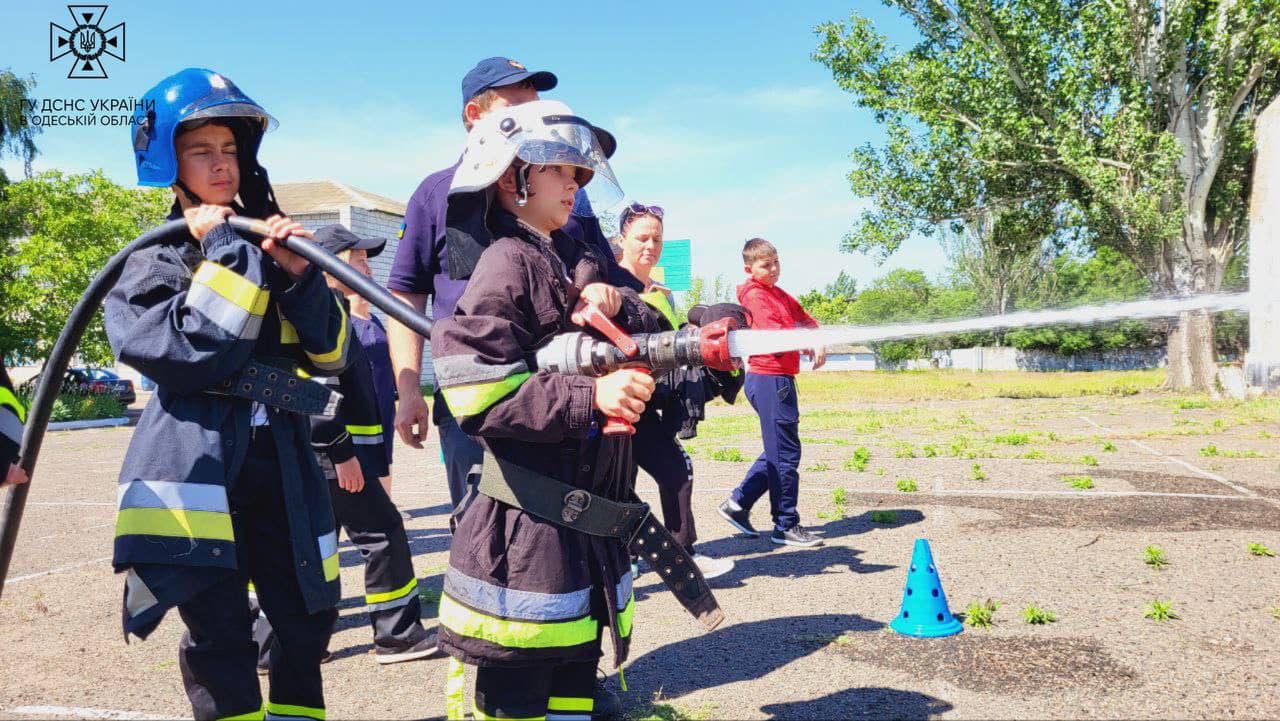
column 1135, row 115
column 65, row 229
column 1001, row 253
column 16, row 136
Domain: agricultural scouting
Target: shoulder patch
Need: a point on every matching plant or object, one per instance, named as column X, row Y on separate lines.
column 400, row 235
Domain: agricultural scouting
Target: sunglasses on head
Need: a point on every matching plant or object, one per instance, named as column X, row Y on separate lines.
column 640, row 209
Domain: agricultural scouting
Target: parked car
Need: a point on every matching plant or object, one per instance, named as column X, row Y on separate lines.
column 91, row 380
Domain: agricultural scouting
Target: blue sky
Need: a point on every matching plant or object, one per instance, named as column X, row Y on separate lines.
column 721, row 116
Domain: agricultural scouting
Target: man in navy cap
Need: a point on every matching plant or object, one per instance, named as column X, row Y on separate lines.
column 425, row 265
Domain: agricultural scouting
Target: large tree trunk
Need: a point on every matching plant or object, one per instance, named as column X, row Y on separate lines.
column 1192, row 357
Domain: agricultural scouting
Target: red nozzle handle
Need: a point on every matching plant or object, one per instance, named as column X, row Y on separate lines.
column 713, row 344
column 614, row 426
column 594, row 317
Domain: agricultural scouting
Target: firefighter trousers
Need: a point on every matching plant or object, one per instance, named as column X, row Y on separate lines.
column 217, row 654
column 556, row 692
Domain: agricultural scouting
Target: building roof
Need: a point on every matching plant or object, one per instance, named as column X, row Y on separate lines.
column 321, row 196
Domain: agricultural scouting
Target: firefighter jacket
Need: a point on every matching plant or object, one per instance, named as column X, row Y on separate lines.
column 191, row 316
column 355, row 429
column 12, row 417
column 520, row 590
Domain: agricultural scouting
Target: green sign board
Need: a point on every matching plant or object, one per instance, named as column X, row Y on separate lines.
column 676, row 267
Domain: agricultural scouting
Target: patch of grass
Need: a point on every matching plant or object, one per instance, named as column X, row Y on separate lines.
column 660, row 709
column 838, row 498
column 818, row 467
column 880, row 471
column 1033, row 455
column 1275, row 612
column 727, row 454
column 907, row 485
column 929, row 451
column 1188, row 403
column 884, row 516
column 976, row 472
column 824, row 441
column 1257, row 549
column 1108, row 447
column 904, row 449
column 1154, row 556
column 981, row 614
column 1089, row 460
column 1012, row 439
column 1038, row 616
column 1159, row 611
column 1248, row 453
column 889, row 386
column 1209, row 451
column 858, row 462
column 1052, row 436
column 1080, row 483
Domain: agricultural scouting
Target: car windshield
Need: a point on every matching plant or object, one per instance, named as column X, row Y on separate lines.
column 99, row 374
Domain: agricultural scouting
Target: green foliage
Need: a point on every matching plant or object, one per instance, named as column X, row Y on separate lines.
column 976, row 472
column 818, row 467
column 907, row 485
column 1209, row 451
column 1159, row 611
column 732, row 455
column 57, row 233
column 981, row 614
column 1012, row 438
column 929, row 450
column 1108, row 447
column 884, row 516
column 1038, row 616
column 718, row 291
column 1082, row 483
column 1257, row 549
column 17, row 137
column 861, row 457
column 1089, row 460
column 904, row 449
column 838, row 498
column 1154, row 556
column 86, row 407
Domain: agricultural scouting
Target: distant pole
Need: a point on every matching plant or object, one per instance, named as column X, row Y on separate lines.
column 1262, row 364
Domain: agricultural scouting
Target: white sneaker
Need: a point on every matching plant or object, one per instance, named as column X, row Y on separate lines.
column 712, row 567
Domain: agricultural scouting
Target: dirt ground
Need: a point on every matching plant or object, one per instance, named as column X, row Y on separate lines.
column 806, row 634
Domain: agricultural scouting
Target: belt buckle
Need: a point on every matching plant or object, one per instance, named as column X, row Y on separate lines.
column 575, row 503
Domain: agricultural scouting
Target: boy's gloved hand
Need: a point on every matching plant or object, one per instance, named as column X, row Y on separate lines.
column 603, row 296
column 622, row 394
column 350, row 477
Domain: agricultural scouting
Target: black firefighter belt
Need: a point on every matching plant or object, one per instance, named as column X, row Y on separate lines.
column 266, row 381
column 595, row 515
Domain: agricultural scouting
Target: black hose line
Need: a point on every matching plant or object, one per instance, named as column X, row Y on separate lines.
column 173, row 232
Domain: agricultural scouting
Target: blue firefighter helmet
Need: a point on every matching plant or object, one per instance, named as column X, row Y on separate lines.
column 192, row 94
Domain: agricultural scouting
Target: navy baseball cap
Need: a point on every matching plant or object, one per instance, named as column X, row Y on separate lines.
column 497, row 72
column 336, row 238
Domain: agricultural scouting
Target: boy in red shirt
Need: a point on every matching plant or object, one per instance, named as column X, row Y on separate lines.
column 771, row 388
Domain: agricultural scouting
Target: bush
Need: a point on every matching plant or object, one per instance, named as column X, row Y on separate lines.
column 86, row 407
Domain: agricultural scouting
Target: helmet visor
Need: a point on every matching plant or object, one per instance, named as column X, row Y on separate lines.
column 570, row 140
column 234, row 110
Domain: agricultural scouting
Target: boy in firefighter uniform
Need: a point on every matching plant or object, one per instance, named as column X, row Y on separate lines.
column 529, row 593
column 220, row 486
column 349, row 447
column 12, row 417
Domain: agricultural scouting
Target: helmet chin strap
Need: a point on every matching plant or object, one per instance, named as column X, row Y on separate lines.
column 191, row 196
column 522, row 185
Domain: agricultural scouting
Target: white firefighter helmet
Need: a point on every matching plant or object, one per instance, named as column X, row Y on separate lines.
column 542, row 132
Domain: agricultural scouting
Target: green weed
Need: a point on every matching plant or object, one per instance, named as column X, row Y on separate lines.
column 1154, row 556
column 1081, row 483
column 1209, row 451
column 1035, row 615
column 861, row 457
column 884, row 516
column 880, row 471
column 732, row 455
column 929, row 451
column 1012, row 439
column 1033, row 455
column 976, row 472
column 1108, row 447
column 981, row 614
column 904, row 449
column 1187, row 403
column 1089, row 460
column 1159, row 611
column 907, row 485
column 817, row 467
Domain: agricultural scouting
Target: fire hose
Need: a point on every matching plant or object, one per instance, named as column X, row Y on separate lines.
column 574, row 353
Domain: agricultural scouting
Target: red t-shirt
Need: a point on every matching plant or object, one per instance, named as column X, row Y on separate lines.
column 772, row 308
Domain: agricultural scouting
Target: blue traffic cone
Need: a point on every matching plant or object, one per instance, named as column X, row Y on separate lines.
column 924, row 606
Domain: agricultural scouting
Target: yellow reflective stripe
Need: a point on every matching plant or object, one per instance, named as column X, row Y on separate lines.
column 331, row 567
column 374, row 430
column 659, row 302
column 8, row 399
column 454, row 690
column 385, row 596
column 251, row 716
column 471, row 399
column 175, row 523
column 626, row 616
column 515, row 634
column 482, row 716
column 288, row 333
column 285, row 709
column 569, row 703
column 335, row 354
column 232, row 286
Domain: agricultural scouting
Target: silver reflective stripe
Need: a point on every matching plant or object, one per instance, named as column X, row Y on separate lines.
column 366, row 440
column 457, row 370
column 394, row 603
column 137, row 597
column 512, row 604
column 328, row 544
column 624, row 590
column 171, row 494
column 10, row 426
column 226, row 315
